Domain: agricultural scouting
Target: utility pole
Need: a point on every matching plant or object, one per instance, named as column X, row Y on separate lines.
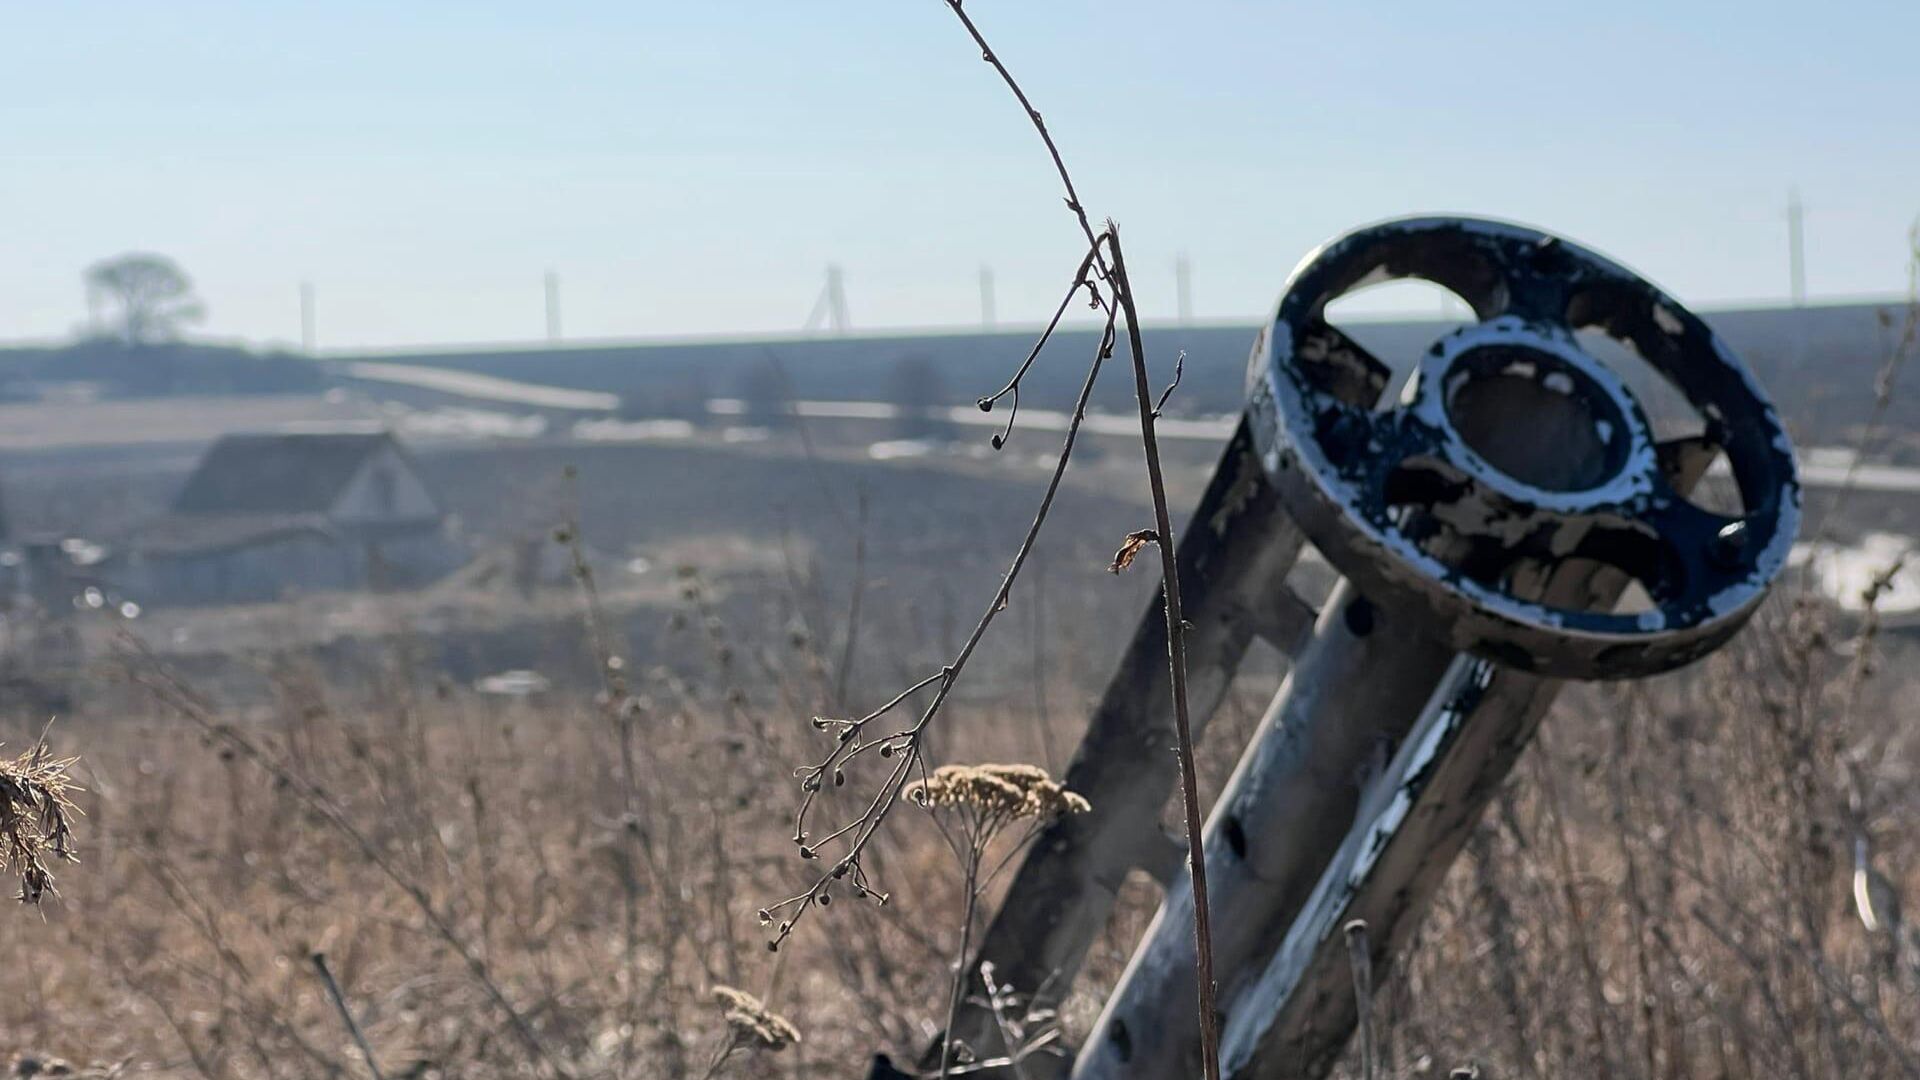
column 553, row 308
column 986, row 298
column 1183, row 287
column 1796, row 246
column 837, row 300
column 308, row 338
column 832, row 305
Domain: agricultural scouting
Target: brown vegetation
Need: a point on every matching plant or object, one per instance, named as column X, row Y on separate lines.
column 1663, row 890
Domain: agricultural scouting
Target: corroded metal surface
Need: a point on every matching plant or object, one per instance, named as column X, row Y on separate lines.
column 1292, row 1014
column 1375, row 490
column 1353, row 694
column 1345, row 760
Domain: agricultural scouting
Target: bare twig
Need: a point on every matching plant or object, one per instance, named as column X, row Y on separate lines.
column 961, row 960
column 1039, row 125
column 1179, row 372
column 1177, row 662
column 903, row 746
column 618, row 707
column 1013, row 385
column 855, row 593
column 852, row 740
column 346, row 1014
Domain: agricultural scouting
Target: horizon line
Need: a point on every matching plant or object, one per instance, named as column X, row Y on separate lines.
column 883, row 333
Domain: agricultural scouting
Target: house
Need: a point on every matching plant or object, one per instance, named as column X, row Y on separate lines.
column 264, row 516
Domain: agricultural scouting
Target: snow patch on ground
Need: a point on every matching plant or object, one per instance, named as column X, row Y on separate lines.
column 1844, row 573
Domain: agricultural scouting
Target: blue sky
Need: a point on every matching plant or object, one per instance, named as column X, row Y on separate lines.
column 691, row 168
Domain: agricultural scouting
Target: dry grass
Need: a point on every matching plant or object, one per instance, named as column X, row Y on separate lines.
column 36, row 811
column 1662, row 891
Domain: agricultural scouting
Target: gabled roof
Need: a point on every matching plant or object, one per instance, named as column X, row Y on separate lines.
column 291, row 473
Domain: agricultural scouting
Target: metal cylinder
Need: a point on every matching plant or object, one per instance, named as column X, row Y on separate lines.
column 1355, row 692
column 1352, row 695
column 1234, row 558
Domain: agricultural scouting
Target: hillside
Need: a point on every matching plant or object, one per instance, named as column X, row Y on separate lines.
column 107, row 368
column 1818, row 362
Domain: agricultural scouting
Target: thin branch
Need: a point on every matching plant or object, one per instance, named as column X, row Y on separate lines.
column 905, row 744
column 346, row 1014
column 851, row 734
column 1177, row 664
column 1013, row 385
column 856, row 593
column 1179, row 372
column 1039, row 125
column 960, row 971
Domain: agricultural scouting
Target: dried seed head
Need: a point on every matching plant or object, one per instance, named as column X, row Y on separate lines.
column 35, row 823
column 1008, row 792
column 751, row 1024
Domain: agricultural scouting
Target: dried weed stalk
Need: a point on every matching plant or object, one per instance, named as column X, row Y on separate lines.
column 1102, row 272
column 177, row 695
column 751, row 1028
column 974, row 805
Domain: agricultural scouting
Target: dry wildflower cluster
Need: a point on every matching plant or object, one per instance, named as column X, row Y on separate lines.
column 751, row 1027
column 35, row 823
column 751, row 1024
column 972, row 805
column 993, row 796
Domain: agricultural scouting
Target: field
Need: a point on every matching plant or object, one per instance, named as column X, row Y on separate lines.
column 555, row 884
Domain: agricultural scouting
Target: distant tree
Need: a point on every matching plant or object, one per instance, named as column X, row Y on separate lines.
column 150, row 296
column 916, row 387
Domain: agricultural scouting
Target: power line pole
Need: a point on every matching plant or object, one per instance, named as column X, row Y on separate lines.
column 553, row 308
column 309, row 339
column 837, row 300
column 832, row 305
column 1183, row 287
column 986, row 298
column 1796, row 246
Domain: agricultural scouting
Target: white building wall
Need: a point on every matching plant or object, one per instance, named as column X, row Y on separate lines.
column 400, row 497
